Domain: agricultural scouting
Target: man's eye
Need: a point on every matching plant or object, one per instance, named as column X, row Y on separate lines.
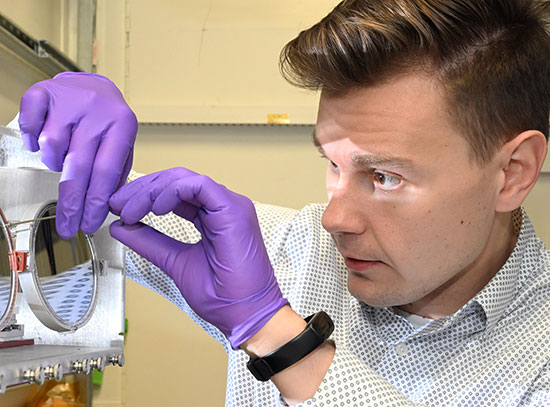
column 386, row 181
column 330, row 162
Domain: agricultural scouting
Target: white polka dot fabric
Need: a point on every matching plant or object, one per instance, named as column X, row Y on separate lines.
column 494, row 351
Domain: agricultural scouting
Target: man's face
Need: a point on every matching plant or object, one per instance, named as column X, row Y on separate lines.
column 412, row 214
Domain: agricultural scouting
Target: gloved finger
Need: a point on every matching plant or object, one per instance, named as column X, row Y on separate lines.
column 126, row 170
column 199, row 190
column 172, row 201
column 108, row 165
column 69, row 209
column 54, row 141
column 33, row 110
column 192, row 196
column 119, row 199
column 143, row 200
column 141, row 203
column 74, row 181
column 186, row 211
column 134, row 188
column 159, row 249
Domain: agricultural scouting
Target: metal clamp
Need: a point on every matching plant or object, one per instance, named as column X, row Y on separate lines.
column 18, row 260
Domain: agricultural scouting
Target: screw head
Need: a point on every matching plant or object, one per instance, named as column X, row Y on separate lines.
column 54, row 372
column 39, row 376
column 117, row 359
column 98, row 364
column 85, row 367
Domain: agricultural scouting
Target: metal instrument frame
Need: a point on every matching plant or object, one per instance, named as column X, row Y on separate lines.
column 94, row 345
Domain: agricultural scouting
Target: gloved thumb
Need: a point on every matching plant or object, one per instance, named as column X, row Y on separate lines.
column 159, row 249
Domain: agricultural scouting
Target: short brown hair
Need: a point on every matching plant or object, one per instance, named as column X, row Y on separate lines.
column 492, row 58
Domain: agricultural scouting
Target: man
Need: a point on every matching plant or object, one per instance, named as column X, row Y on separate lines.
column 434, row 120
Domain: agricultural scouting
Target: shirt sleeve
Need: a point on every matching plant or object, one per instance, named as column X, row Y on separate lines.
column 350, row 382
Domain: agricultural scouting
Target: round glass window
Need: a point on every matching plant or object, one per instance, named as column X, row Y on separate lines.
column 64, row 274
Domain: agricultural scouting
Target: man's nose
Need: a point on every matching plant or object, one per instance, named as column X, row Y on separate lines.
column 345, row 213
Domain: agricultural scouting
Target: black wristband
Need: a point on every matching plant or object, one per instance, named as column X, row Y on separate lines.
column 317, row 331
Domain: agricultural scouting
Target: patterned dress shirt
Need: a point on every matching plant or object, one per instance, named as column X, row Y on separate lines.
column 494, row 351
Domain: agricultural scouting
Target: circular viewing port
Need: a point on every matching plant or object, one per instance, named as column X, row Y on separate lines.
column 61, row 281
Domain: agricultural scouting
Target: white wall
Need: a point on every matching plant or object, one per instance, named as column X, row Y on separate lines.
column 215, row 61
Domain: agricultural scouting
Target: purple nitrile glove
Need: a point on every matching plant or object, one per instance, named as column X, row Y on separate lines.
column 83, row 128
column 226, row 278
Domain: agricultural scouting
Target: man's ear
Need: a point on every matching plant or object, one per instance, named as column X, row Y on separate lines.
column 521, row 161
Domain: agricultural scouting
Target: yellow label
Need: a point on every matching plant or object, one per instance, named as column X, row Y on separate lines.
column 278, row 118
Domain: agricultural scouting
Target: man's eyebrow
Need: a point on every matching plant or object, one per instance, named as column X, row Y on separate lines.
column 372, row 160
column 369, row 160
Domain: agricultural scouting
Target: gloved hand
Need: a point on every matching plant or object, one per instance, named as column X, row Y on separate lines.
column 226, row 278
column 83, row 128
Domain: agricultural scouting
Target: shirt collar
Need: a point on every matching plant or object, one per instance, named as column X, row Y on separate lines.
column 498, row 294
column 495, row 298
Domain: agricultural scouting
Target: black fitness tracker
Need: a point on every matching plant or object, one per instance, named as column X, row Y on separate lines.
column 317, row 331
